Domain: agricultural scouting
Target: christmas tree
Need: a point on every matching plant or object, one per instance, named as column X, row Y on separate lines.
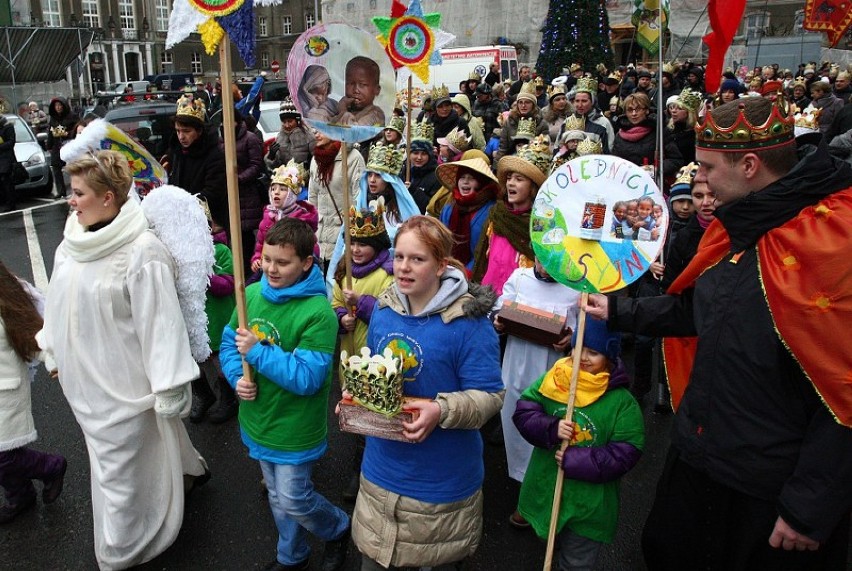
column 576, row 31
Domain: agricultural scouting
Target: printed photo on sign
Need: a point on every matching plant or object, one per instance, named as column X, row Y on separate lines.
column 598, row 223
column 345, row 82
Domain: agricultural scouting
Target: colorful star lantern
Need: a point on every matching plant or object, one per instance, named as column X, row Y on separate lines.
column 412, row 39
column 213, row 19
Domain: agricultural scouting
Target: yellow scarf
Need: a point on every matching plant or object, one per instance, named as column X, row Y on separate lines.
column 557, row 383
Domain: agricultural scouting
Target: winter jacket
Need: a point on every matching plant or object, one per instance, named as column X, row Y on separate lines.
column 304, row 211
column 510, row 129
column 684, row 140
column 7, row 145
column 642, row 152
column 488, row 112
column 435, row 483
column 16, row 418
column 842, row 123
column 297, row 144
column 329, row 200
column 61, row 126
column 200, row 169
column 750, row 419
column 250, row 167
column 680, row 250
column 829, row 107
column 447, row 124
column 424, row 183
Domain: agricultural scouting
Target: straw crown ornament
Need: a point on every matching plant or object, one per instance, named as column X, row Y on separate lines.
column 532, row 161
column 397, row 124
column 589, row 146
column 292, row 175
column 776, row 131
column 526, row 129
column 385, row 158
column 690, row 99
column 586, row 85
column 188, row 106
column 439, row 93
column 575, row 123
column 423, row 131
column 458, row 140
column 367, row 223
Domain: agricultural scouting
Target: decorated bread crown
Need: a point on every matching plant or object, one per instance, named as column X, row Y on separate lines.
column 589, row 146
column 292, row 175
column 526, row 129
column 385, row 158
column 423, row 131
column 690, row 99
column 368, row 222
column 776, row 131
column 440, row 93
column 188, row 106
column 586, row 85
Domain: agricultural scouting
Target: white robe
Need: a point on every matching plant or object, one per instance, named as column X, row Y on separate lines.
column 524, row 362
column 114, row 328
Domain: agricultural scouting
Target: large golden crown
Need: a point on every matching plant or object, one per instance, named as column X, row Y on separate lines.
column 575, row 123
column 367, row 223
column 776, row 131
column 385, row 158
column 439, row 93
column 292, row 175
column 188, row 106
column 589, row 146
column 537, row 153
column 586, row 85
column 423, row 131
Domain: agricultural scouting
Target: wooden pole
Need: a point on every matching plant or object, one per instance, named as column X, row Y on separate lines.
column 233, row 189
column 408, row 137
column 569, row 414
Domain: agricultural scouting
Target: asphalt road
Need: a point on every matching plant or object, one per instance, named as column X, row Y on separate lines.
column 227, row 524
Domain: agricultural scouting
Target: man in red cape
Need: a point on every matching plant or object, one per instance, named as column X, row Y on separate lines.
column 759, row 473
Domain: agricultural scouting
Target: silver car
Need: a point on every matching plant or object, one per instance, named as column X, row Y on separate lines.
column 30, row 154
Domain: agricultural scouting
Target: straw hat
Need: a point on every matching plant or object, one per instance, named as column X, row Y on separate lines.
column 448, row 172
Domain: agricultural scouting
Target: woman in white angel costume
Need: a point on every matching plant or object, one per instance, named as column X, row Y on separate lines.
column 115, row 331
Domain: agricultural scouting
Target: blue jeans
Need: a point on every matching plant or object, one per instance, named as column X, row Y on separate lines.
column 297, row 509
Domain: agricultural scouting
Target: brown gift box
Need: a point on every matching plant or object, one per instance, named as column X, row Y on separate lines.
column 532, row 324
column 357, row 419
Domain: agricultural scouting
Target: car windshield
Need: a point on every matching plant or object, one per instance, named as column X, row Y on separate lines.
column 269, row 121
column 22, row 132
column 116, row 86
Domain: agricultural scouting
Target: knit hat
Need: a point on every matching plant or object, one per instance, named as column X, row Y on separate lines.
column 682, row 186
column 288, row 110
column 532, row 161
column 731, row 85
column 572, row 135
column 368, row 226
column 420, row 145
column 599, row 338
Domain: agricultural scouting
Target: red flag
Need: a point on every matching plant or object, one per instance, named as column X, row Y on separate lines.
column 725, row 16
column 830, row 16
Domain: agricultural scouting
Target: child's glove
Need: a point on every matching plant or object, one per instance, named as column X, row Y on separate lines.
column 170, row 403
column 273, row 150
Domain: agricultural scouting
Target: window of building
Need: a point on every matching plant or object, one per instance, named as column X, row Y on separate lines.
column 264, row 60
column 756, row 24
column 51, row 13
column 127, row 19
column 372, row 3
column 91, row 18
column 161, row 11
column 166, row 62
column 195, row 64
column 309, row 21
column 262, row 30
column 286, row 25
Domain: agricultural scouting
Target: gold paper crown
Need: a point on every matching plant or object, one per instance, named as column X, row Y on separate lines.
column 369, row 222
column 397, row 124
column 526, row 129
column 458, row 140
column 690, row 99
column 586, row 85
column 474, row 76
column 529, row 89
column 589, row 146
column 537, row 153
column 616, row 75
column 385, row 158
column 554, row 90
column 439, row 93
column 808, row 118
column 686, row 174
column 188, row 106
column 539, row 81
column 292, row 175
column 800, row 82
column 668, row 68
column 423, row 131
column 575, row 67
column 776, row 131
column 575, row 123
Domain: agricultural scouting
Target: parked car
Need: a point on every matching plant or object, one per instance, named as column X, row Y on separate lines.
column 272, row 90
column 148, row 122
column 269, row 124
column 29, row 153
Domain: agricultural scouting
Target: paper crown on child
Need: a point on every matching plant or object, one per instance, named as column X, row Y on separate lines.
column 190, row 107
column 292, row 175
column 474, row 76
column 776, row 131
column 423, row 131
column 397, row 124
column 385, row 158
column 682, row 186
column 456, row 140
column 532, row 161
column 586, row 85
column 439, row 94
column 370, row 222
column 527, row 92
column 526, row 129
column 589, row 146
column 599, row 338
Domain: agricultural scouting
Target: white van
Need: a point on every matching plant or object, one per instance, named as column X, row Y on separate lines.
column 119, row 87
column 459, row 63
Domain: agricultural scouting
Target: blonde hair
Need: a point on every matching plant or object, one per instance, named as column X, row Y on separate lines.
column 104, row 171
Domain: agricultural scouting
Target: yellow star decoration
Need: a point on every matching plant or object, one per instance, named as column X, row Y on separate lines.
column 823, row 211
column 789, row 262
column 822, row 301
column 211, row 34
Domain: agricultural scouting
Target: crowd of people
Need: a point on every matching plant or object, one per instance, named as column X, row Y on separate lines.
column 757, row 178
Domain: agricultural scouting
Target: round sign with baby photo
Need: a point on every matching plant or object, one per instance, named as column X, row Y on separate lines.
column 598, row 223
column 342, row 82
